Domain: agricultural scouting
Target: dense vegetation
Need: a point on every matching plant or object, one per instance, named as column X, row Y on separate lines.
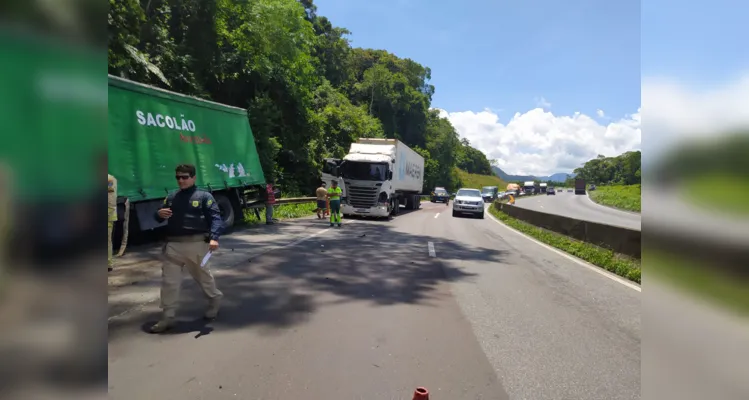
column 308, row 92
column 624, row 169
column 477, row 181
column 625, row 197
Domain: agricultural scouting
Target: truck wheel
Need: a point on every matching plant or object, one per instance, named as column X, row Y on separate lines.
column 227, row 210
column 481, row 216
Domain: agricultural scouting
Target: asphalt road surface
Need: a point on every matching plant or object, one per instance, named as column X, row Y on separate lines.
column 580, row 207
column 466, row 307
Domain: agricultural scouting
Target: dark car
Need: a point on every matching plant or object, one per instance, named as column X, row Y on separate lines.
column 440, row 195
column 489, row 193
column 550, row 191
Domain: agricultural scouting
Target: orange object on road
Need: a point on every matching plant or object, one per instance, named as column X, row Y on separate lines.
column 421, row 393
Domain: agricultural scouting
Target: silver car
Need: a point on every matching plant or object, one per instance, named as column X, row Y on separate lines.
column 468, row 201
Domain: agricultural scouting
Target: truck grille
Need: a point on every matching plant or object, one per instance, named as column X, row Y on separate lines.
column 362, row 197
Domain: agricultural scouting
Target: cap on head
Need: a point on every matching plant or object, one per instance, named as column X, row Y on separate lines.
column 334, row 183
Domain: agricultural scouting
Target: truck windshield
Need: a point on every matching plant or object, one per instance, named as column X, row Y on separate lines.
column 365, row 171
column 487, row 190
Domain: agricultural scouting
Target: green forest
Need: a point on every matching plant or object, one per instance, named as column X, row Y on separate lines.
column 308, row 92
column 624, row 169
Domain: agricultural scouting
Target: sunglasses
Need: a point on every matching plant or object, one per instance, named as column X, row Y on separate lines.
column 182, row 177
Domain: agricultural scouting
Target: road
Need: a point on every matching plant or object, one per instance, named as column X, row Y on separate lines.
column 466, row 307
column 580, row 207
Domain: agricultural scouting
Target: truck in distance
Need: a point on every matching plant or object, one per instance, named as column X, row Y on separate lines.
column 379, row 176
column 579, row 186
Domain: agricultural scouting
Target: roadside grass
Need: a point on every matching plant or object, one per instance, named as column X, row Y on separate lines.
column 625, row 197
column 283, row 211
column 698, row 279
column 621, row 265
column 735, row 200
column 477, row 181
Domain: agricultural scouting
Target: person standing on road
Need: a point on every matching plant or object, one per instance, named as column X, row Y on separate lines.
column 322, row 200
column 270, row 200
column 112, row 208
column 194, row 227
column 334, row 194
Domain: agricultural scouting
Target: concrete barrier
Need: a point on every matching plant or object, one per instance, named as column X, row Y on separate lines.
column 620, row 240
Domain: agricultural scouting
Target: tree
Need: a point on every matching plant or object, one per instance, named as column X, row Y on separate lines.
column 308, row 93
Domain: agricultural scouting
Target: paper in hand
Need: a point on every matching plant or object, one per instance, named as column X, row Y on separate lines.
column 205, row 259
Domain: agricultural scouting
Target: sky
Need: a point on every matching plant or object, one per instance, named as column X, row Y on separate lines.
column 542, row 86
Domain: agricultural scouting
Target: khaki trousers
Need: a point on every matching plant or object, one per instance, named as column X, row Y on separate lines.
column 187, row 255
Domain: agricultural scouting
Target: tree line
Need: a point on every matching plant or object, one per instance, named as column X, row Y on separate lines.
column 624, row 169
column 308, row 92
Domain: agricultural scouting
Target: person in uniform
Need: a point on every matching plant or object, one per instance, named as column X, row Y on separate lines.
column 334, row 194
column 194, row 227
column 112, row 208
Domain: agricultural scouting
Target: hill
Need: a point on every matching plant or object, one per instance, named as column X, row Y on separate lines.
column 477, row 181
column 558, row 177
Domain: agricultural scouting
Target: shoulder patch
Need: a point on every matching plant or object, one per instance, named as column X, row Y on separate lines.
column 210, row 201
column 195, row 203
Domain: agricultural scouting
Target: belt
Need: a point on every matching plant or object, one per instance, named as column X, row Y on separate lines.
column 187, row 238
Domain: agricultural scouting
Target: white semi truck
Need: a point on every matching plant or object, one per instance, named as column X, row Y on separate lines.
column 379, row 176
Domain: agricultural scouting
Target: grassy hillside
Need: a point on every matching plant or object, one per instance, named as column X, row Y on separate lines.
column 625, row 197
column 478, row 181
column 735, row 199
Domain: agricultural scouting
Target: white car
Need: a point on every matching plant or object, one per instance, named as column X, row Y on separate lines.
column 468, row 201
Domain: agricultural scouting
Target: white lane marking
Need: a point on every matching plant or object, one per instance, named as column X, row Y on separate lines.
column 576, row 260
column 255, row 255
column 436, row 215
column 432, row 253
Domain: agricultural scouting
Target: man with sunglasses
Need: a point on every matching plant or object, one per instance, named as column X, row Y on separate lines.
column 194, row 227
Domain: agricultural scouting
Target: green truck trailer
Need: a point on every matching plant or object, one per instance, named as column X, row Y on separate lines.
column 152, row 130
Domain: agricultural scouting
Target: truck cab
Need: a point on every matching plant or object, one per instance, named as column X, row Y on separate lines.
column 379, row 176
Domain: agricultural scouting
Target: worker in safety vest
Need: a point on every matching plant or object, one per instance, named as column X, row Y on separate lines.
column 334, row 195
column 112, row 209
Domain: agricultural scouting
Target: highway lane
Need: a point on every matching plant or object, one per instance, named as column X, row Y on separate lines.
column 580, row 207
column 373, row 309
column 551, row 327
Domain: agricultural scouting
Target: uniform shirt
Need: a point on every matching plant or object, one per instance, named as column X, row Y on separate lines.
column 321, row 192
column 335, row 193
column 112, row 197
column 194, row 212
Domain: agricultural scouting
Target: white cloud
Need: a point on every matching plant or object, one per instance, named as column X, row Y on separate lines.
column 541, row 143
column 600, row 113
column 675, row 112
column 542, row 103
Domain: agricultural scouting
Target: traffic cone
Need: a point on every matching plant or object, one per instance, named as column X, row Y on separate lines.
column 421, row 393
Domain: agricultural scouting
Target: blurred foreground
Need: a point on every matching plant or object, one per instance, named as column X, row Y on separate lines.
column 696, row 270
column 53, row 109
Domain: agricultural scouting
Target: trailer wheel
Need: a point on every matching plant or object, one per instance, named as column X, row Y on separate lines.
column 227, row 210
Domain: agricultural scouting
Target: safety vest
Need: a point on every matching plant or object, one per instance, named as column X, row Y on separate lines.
column 335, row 193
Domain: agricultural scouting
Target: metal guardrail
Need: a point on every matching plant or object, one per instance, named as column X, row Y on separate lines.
column 291, row 200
